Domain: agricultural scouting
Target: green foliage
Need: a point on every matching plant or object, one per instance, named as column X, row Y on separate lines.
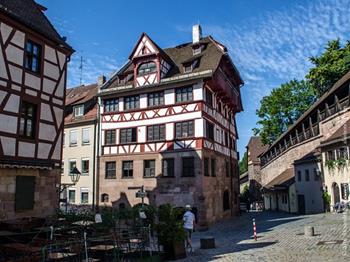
column 243, row 164
column 282, row 108
column 170, row 227
column 330, row 164
column 244, row 197
column 341, row 163
column 326, row 198
column 330, row 66
column 289, row 101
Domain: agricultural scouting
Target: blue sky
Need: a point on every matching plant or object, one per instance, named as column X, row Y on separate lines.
column 269, row 40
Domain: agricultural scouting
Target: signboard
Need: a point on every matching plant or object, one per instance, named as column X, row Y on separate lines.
column 140, row 194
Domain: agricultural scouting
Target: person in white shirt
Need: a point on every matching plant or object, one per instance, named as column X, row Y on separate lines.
column 189, row 220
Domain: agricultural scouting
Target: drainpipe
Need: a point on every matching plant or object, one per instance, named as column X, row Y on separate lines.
column 94, row 173
column 230, row 164
column 97, row 156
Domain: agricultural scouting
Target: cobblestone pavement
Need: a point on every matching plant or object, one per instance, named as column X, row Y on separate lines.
column 280, row 238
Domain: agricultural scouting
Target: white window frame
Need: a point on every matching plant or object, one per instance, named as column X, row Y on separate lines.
column 71, row 160
column 84, row 159
column 82, row 136
column 70, row 137
column 75, row 195
column 78, row 110
column 84, row 190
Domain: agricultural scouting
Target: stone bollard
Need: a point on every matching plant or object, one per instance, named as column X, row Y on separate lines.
column 309, row 231
column 207, row 242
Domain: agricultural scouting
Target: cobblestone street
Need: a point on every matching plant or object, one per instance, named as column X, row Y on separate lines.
column 280, row 238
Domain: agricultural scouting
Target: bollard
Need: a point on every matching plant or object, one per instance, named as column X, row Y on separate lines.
column 254, row 230
column 309, row 231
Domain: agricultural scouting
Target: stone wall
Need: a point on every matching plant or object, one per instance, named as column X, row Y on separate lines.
column 45, row 198
column 286, row 159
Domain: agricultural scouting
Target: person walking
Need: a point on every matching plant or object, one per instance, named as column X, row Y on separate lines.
column 189, row 220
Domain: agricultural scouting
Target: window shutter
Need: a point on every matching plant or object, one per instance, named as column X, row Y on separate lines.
column 25, row 190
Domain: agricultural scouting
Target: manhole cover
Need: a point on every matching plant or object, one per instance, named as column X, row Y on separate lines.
column 330, row 242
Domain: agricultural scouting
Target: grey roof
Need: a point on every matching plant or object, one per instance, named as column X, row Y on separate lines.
column 29, row 13
column 208, row 59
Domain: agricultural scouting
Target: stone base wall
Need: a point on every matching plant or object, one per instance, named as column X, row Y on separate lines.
column 45, row 197
column 205, row 194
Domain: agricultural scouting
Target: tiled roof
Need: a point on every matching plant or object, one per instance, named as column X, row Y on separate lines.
column 312, row 156
column 208, row 59
column 255, row 148
column 28, row 13
column 284, row 179
column 80, row 94
column 342, row 132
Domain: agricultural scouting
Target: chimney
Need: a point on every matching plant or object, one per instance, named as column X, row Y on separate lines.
column 196, row 33
column 101, row 80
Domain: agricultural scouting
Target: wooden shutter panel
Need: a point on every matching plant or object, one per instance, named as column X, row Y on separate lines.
column 25, row 189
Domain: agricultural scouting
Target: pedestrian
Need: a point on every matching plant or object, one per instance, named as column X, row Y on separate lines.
column 189, row 220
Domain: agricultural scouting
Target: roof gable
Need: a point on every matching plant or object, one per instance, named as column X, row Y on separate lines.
column 144, row 46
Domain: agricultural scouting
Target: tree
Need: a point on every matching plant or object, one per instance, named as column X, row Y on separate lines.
column 282, row 107
column 329, row 67
column 243, row 164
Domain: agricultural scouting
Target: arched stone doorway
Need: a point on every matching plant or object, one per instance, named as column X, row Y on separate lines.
column 335, row 193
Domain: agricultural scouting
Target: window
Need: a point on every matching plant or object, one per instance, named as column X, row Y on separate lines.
column 62, row 168
column 299, row 176
column 71, row 196
column 85, row 166
column 110, row 137
column 168, row 167
column 104, row 198
column 307, row 175
column 33, row 57
column 131, row 102
column 86, row 136
column 342, row 153
column 188, row 166
column 24, row 195
column 188, row 68
column 127, row 169
column 184, row 94
column 344, row 191
column 110, row 170
column 156, row 133
column 155, row 99
column 149, row 168
column 84, row 197
column 127, row 135
column 209, row 130
column 206, row 166
column 227, row 168
column 226, row 138
column 111, row 105
column 219, row 106
column 78, row 110
column 28, row 120
column 316, row 175
column 209, row 97
column 226, row 200
column 213, row 167
column 72, row 165
column 146, row 68
column 184, row 129
column 330, row 155
column 73, row 138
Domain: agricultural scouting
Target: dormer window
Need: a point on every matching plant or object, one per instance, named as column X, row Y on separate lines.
column 197, row 50
column 146, row 68
column 78, row 111
column 188, row 68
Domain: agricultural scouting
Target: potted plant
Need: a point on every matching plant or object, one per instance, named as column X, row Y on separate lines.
column 171, row 234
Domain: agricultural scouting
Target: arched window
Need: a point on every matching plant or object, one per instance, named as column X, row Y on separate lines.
column 226, row 200
column 146, row 68
column 104, row 198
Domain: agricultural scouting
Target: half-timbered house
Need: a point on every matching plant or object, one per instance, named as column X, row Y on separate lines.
column 33, row 62
column 168, row 124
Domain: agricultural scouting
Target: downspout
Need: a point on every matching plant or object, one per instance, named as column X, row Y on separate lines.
column 94, row 173
column 98, row 149
column 230, row 164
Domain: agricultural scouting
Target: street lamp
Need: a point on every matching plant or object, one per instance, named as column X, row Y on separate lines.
column 74, row 176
